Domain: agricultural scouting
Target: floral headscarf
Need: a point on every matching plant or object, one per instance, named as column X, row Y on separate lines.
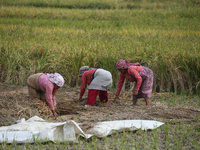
column 124, row 64
column 83, row 69
column 56, row 78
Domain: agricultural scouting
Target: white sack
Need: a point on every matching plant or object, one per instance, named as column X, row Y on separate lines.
column 36, row 129
column 103, row 129
column 102, row 80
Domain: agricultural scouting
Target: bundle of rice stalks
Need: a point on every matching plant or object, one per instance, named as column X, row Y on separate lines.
column 42, row 108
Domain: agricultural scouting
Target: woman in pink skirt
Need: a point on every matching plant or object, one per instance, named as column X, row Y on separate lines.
column 134, row 72
column 99, row 80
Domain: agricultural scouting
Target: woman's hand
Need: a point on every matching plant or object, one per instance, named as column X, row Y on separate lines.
column 135, row 92
column 55, row 113
column 116, row 97
column 80, row 99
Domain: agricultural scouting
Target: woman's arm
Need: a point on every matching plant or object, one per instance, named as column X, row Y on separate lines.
column 120, row 83
column 49, row 96
column 54, row 96
column 83, row 85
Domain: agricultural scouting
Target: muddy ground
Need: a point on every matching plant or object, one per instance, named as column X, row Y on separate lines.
column 15, row 104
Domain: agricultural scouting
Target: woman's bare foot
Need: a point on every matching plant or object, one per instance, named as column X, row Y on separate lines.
column 147, row 101
column 86, row 106
column 134, row 102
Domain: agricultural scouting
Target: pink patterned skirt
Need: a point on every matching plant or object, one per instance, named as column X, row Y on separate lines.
column 145, row 90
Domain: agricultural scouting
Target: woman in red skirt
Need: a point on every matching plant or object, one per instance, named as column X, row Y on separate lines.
column 134, row 72
column 99, row 80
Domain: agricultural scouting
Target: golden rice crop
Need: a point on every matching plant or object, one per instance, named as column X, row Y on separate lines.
column 36, row 39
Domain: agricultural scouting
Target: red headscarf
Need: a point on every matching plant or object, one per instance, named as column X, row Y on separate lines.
column 124, row 64
column 83, row 69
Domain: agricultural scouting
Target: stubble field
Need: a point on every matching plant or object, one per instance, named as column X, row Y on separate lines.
column 181, row 115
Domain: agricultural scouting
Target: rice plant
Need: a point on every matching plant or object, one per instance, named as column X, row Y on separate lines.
column 162, row 35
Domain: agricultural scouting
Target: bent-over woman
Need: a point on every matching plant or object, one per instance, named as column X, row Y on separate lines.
column 99, row 80
column 44, row 87
column 134, row 72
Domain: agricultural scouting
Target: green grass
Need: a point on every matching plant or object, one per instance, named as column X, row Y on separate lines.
column 103, row 4
column 56, row 39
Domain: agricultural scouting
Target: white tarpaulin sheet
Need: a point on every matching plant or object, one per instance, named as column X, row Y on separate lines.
column 36, row 129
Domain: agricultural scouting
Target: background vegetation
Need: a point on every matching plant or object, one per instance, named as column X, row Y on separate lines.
column 61, row 36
